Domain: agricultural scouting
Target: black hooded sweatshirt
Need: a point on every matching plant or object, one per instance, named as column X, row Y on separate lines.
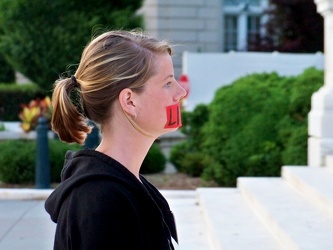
column 101, row 205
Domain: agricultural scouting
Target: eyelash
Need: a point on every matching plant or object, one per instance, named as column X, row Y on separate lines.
column 168, row 84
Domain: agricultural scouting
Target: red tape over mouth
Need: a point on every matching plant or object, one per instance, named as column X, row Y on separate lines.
column 174, row 119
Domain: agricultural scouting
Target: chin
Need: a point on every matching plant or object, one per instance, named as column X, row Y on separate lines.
column 169, row 130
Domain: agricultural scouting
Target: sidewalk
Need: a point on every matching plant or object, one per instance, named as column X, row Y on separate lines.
column 24, row 224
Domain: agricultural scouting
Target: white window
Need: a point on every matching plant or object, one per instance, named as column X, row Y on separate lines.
column 242, row 22
column 253, row 27
column 230, row 32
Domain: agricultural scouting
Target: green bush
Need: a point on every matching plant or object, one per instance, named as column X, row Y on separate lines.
column 57, row 153
column 187, row 156
column 2, row 126
column 188, row 161
column 11, row 98
column 252, row 128
column 177, row 153
column 293, row 127
column 154, row 162
column 193, row 163
column 256, row 119
column 295, row 150
column 21, row 168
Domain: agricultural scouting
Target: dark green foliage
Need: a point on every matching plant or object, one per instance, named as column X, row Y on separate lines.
column 254, row 126
column 177, row 153
column 57, row 151
column 187, row 156
column 11, row 98
column 192, row 121
column 21, row 168
column 154, row 162
column 300, row 97
column 295, row 151
column 292, row 26
column 188, row 159
column 42, row 38
column 7, row 74
column 193, row 163
column 17, row 161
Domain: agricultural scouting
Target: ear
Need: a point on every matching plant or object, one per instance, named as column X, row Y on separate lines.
column 126, row 100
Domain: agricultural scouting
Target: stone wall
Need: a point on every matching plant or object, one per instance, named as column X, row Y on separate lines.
column 191, row 25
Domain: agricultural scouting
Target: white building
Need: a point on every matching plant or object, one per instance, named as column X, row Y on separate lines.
column 204, row 26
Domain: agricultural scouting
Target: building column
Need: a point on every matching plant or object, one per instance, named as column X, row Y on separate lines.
column 320, row 142
column 242, row 32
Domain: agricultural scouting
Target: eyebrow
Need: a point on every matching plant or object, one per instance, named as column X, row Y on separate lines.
column 169, row 76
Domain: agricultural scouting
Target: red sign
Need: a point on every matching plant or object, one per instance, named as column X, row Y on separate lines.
column 185, row 83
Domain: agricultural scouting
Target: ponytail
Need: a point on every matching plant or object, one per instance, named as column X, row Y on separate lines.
column 67, row 120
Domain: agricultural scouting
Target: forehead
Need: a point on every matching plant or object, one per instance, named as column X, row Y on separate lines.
column 163, row 65
column 162, row 70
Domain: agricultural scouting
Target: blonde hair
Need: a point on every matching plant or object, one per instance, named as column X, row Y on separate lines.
column 110, row 63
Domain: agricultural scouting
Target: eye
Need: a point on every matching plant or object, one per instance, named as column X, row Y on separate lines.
column 168, row 85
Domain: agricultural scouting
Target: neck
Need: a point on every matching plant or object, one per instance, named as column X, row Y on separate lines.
column 126, row 145
column 130, row 120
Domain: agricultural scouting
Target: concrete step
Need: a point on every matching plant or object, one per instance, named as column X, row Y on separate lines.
column 189, row 219
column 314, row 183
column 295, row 222
column 231, row 223
column 329, row 162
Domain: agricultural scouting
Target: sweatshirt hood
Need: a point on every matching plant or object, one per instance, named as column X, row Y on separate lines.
column 88, row 165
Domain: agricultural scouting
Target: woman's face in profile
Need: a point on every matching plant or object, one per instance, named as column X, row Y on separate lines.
column 158, row 106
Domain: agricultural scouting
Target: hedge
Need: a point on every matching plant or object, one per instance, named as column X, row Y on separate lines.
column 21, row 168
column 154, row 162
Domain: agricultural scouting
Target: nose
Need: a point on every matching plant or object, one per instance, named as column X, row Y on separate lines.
column 181, row 92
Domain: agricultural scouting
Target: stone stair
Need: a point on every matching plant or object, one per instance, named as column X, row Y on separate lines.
column 329, row 162
column 294, row 211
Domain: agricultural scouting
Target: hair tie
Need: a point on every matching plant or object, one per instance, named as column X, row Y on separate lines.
column 76, row 85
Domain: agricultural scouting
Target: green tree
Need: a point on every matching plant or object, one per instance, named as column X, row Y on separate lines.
column 41, row 38
column 7, row 74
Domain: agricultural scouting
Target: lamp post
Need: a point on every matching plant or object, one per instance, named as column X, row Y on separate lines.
column 42, row 174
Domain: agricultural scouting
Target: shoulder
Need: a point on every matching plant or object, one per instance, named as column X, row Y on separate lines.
column 105, row 191
column 100, row 213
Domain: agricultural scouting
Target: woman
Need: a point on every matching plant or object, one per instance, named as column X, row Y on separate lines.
column 125, row 84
